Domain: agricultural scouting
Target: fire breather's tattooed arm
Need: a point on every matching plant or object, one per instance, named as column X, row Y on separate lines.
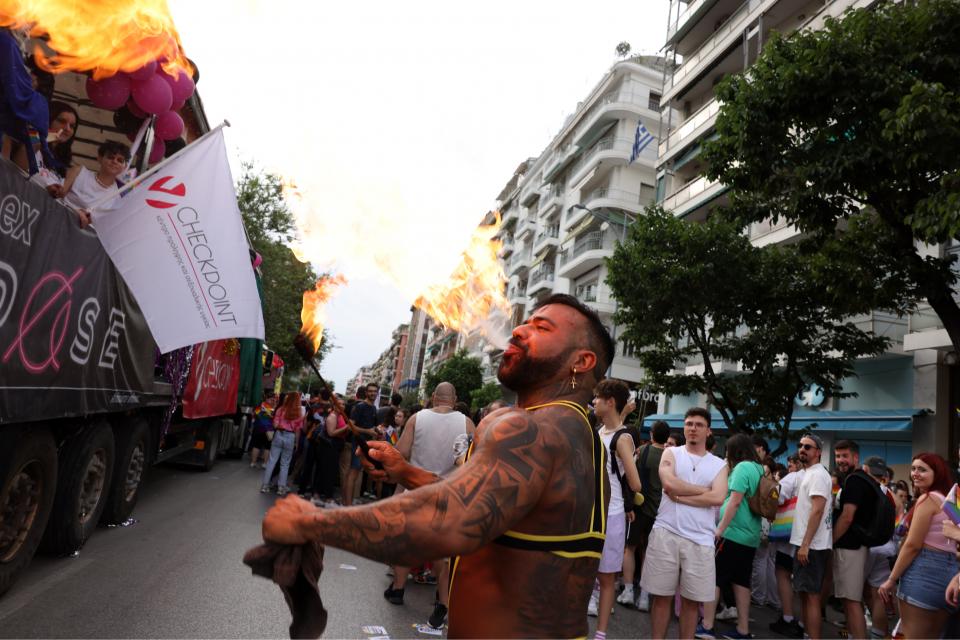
column 503, row 480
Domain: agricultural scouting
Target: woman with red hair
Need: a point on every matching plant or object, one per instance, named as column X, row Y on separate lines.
column 927, row 559
column 287, row 423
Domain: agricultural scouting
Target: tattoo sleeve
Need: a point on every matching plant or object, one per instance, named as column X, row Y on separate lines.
column 503, row 480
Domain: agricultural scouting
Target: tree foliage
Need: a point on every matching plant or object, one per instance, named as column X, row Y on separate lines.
column 485, row 395
column 270, row 225
column 856, row 126
column 702, row 294
column 461, row 370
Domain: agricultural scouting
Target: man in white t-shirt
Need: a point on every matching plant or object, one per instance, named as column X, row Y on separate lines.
column 84, row 188
column 680, row 552
column 811, row 536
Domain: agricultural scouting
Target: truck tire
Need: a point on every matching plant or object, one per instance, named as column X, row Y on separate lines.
column 28, row 482
column 132, row 461
column 211, row 440
column 85, row 470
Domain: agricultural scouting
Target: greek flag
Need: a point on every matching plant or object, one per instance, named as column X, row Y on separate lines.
column 641, row 140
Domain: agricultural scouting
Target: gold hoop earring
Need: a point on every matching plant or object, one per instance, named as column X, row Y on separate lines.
column 573, row 380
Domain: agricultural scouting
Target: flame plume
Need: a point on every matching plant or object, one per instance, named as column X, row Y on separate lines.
column 312, row 315
column 103, row 36
column 474, row 297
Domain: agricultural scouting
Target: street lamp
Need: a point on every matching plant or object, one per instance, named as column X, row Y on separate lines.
column 610, row 218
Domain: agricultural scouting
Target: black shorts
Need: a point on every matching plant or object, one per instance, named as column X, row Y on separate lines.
column 784, row 561
column 808, row 578
column 640, row 530
column 258, row 440
column 734, row 563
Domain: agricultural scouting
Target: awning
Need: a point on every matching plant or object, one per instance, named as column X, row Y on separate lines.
column 580, row 228
column 888, row 421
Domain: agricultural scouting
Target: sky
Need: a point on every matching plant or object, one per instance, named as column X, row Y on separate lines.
column 399, row 122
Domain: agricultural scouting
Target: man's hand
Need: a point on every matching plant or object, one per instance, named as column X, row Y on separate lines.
column 85, row 218
column 282, row 522
column 953, row 591
column 394, row 466
column 951, row 531
column 631, row 516
column 55, row 190
column 803, row 555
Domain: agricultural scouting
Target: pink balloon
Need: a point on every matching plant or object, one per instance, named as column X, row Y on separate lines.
column 110, row 93
column 143, row 72
column 135, row 110
column 153, row 95
column 177, row 105
column 182, row 86
column 159, row 149
column 169, row 125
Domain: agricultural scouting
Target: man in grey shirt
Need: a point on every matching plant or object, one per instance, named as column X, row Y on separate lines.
column 427, row 442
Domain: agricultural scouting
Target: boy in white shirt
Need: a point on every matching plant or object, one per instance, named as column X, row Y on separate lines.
column 83, row 187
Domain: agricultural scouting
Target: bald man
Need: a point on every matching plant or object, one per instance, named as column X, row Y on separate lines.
column 427, row 442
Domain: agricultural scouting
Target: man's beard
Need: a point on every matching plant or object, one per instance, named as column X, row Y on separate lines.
column 526, row 372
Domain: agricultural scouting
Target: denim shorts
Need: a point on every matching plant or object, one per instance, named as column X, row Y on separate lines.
column 925, row 581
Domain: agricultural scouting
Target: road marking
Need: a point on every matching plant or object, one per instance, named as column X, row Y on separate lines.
column 21, row 598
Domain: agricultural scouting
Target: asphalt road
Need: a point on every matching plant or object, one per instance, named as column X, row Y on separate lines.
column 177, row 573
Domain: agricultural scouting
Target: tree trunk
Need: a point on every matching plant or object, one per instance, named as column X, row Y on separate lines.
column 941, row 300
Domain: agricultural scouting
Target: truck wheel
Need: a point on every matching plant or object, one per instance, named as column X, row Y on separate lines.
column 133, row 452
column 28, row 481
column 86, row 465
column 211, row 440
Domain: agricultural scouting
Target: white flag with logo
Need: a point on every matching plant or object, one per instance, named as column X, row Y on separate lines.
column 177, row 239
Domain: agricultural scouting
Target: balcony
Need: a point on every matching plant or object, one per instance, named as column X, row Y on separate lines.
column 607, row 197
column 587, row 252
column 517, row 294
column 613, row 105
column 550, row 198
column 605, row 149
column 541, row 278
column 726, row 35
column 692, row 128
column 693, row 195
column 693, row 9
column 886, row 325
column 518, row 262
column 525, row 227
column 560, row 158
column 548, row 236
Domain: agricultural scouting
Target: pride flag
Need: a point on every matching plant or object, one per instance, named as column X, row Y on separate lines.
column 951, row 506
column 783, row 525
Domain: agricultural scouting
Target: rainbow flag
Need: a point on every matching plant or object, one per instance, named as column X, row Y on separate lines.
column 951, row 506
column 783, row 525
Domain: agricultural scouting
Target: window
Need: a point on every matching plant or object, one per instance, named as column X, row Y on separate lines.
column 653, row 103
column 587, row 291
column 628, row 348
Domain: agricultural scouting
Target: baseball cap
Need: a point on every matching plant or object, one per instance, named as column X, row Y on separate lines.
column 876, row 465
column 816, row 439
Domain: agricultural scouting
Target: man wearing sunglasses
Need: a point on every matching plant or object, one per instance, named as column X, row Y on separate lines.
column 811, row 534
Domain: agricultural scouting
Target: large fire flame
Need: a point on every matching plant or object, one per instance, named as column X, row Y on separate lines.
column 312, row 315
column 474, row 297
column 102, row 36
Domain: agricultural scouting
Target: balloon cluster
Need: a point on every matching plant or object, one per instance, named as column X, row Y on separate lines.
column 149, row 90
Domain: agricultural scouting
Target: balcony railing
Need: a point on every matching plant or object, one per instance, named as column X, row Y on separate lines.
column 553, row 231
column 683, row 17
column 638, row 98
column 587, row 242
column 700, row 117
column 605, row 144
column 517, row 291
column 542, row 274
column 692, row 189
column 613, row 194
column 733, row 24
column 517, row 259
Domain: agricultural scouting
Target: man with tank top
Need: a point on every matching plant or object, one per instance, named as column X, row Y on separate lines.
column 428, row 442
column 680, row 553
column 524, row 517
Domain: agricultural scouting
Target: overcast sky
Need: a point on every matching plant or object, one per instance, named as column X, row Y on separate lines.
column 399, row 121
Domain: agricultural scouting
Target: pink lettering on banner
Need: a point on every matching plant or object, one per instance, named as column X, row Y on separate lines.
column 58, row 329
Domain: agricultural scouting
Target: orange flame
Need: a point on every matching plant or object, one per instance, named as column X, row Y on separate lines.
column 474, row 296
column 312, row 315
column 103, row 36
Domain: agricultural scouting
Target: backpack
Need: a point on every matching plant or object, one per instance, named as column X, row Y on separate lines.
column 766, row 499
column 880, row 528
column 630, row 497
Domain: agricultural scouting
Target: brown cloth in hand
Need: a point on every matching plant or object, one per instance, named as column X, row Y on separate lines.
column 296, row 569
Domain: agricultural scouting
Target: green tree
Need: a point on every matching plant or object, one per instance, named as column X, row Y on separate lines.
column 270, row 226
column 856, row 127
column 460, row 370
column 485, row 395
column 702, row 294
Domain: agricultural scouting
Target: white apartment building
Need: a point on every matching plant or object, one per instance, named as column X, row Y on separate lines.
column 906, row 395
column 561, row 209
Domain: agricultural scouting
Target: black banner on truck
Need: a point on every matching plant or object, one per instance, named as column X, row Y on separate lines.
column 72, row 339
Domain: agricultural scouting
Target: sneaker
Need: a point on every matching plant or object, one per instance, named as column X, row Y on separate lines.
column 643, row 601
column 438, row 617
column 282, row 492
column 736, row 635
column 729, row 613
column 264, row 488
column 626, row 597
column 790, row 629
column 393, row 596
column 425, row 578
column 593, row 604
column 703, row 633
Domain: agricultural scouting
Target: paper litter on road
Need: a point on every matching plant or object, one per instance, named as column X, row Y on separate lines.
column 348, row 567
column 425, row 628
column 379, row 638
column 374, row 630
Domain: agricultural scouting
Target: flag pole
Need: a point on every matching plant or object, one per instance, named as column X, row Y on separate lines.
column 155, row 168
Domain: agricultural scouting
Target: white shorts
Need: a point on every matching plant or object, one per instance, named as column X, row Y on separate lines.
column 673, row 561
column 611, row 561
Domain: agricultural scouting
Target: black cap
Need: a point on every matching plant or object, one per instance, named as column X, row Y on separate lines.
column 877, row 466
